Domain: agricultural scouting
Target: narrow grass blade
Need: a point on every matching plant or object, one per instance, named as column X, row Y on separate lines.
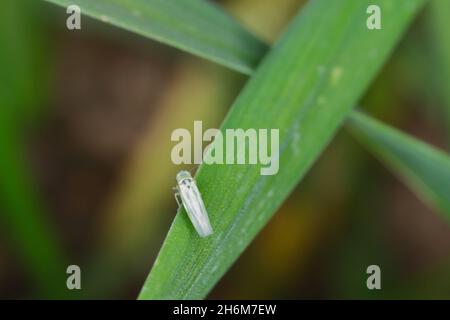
column 21, row 214
column 305, row 87
column 425, row 169
column 191, row 25
column 439, row 13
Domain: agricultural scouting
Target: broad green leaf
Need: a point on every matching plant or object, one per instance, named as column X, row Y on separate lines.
column 305, row 87
column 424, row 168
column 189, row 25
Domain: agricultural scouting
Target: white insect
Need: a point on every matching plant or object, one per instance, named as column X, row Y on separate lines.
column 193, row 203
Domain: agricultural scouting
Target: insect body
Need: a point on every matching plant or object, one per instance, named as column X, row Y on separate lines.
column 193, row 203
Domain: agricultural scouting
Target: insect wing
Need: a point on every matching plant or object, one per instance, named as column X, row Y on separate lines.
column 193, row 203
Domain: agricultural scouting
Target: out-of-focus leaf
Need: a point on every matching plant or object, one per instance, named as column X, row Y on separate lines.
column 305, row 87
column 425, row 169
column 191, row 25
column 439, row 15
column 22, row 214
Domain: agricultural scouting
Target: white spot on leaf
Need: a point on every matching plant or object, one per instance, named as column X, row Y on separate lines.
column 336, row 75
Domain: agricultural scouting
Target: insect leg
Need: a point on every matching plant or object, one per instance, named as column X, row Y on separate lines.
column 177, row 196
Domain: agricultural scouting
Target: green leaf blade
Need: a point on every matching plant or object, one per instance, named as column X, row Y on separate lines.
column 439, row 13
column 424, row 168
column 190, row 25
column 305, row 87
column 22, row 214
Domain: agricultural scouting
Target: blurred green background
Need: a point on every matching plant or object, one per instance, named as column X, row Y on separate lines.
column 86, row 176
